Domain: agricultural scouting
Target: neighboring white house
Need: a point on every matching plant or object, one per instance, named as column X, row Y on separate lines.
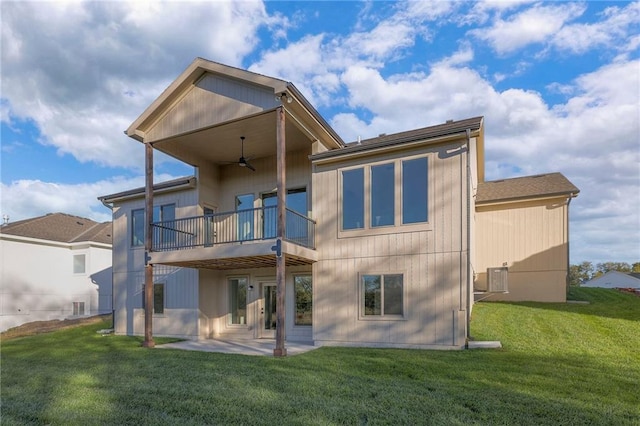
column 54, row 267
column 615, row 279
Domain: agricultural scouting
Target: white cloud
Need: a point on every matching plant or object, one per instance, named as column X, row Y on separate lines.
column 77, row 199
column 611, row 32
column 533, row 25
column 84, row 71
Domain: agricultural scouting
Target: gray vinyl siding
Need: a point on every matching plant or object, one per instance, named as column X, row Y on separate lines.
column 181, row 285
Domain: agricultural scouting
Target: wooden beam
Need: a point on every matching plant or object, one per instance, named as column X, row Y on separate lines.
column 281, row 187
column 148, row 267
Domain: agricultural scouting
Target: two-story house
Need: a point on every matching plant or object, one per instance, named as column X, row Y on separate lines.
column 287, row 232
column 55, row 266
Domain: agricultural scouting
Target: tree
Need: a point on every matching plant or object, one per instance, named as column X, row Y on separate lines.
column 580, row 273
column 603, row 268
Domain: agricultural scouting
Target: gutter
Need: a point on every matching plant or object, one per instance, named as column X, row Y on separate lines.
column 385, row 146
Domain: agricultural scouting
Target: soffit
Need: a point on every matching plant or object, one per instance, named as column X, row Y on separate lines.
column 221, row 144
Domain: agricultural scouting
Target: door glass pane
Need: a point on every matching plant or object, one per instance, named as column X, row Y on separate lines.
column 353, row 199
column 393, row 294
column 209, row 231
column 372, row 294
column 382, row 195
column 244, row 209
column 269, row 217
column 269, row 307
column 297, row 200
column 238, row 300
column 414, row 191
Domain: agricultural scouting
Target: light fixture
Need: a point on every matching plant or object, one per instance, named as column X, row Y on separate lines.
column 284, row 95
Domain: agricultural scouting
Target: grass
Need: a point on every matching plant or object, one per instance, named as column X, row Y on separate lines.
column 564, row 364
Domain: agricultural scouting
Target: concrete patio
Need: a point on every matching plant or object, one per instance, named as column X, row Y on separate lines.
column 240, row 347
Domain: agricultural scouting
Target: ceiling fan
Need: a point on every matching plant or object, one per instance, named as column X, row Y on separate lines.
column 242, row 162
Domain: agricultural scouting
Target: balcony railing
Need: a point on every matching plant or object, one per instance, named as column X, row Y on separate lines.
column 231, row 227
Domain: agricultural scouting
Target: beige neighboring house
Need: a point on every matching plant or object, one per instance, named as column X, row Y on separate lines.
column 55, row 266
column 615, row 279
column 285, row 231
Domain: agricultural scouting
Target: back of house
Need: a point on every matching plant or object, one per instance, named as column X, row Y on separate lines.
column 284, row 229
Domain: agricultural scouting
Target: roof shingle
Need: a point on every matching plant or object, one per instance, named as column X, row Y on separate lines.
column 525, row 187
column 60, row 227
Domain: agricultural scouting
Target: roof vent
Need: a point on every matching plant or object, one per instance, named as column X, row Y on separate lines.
column 382, row 134
column 5, row 219
column 449, row 121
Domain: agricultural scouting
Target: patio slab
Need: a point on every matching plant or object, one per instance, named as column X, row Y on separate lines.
column 241, row 347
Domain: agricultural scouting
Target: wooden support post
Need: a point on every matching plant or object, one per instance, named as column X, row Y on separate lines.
column 148, row 267
column 281, row 188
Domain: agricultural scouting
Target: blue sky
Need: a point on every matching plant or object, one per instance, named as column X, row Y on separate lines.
column 557, row 82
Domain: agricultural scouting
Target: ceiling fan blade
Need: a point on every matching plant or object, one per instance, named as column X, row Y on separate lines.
column 242, row 162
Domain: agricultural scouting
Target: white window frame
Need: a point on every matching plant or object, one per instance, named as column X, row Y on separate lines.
column 75, row 309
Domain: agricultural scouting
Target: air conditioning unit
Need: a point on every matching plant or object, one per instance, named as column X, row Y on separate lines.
column 497, row 280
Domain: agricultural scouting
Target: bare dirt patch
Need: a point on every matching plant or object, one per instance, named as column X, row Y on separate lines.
column 39, row 327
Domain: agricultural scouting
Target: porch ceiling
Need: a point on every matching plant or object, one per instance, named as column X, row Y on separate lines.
column 221, row 144
column 249, row 262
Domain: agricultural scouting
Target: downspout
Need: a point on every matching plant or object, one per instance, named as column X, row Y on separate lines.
column 567, row 278
column 113, row 294
column 468, row 197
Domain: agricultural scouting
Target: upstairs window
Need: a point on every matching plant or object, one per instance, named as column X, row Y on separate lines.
column 414, row 191
column 79, row 264
column 163, row 213
column 353, row 199
column 382, row 195
column 393, row 193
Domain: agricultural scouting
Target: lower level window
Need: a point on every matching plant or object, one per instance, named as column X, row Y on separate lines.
column 382, row 295
column 158, row 298
column 304, row 299
column 78, row 308
column 238, row 301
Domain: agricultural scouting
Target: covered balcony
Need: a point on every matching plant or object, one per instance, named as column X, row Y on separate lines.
column 236, row 239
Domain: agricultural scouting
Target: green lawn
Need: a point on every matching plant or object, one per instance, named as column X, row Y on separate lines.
column 563, row 364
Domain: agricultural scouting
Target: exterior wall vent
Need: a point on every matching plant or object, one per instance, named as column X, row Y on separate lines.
column 498, row 280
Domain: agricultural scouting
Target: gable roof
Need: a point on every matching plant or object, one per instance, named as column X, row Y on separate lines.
column 198, row 68
column 526, row 187
column 61, row 227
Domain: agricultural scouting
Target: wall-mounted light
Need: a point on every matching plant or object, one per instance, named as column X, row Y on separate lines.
column 283, row 96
